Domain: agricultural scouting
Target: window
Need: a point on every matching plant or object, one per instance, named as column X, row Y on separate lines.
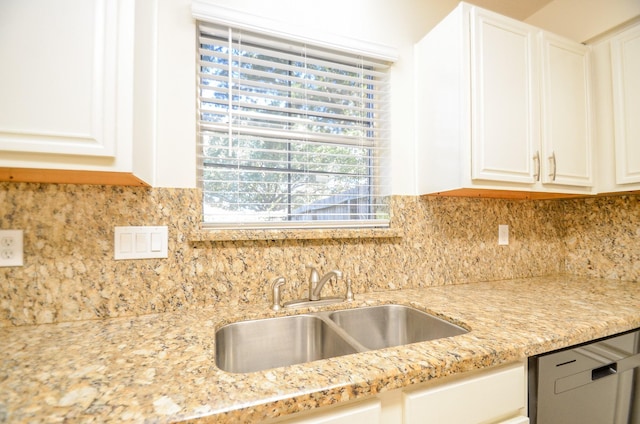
column 290, row 135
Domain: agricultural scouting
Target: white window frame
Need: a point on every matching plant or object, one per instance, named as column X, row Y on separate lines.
column 239, row 20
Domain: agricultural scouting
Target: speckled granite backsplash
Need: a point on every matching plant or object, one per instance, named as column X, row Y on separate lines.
column 70, row 274
column 603, row 237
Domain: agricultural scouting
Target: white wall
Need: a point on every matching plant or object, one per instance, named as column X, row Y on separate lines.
column 398, row 23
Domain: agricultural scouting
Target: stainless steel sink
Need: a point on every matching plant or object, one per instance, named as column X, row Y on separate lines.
column 377, row 327
column 275, row 342
column 262, row 344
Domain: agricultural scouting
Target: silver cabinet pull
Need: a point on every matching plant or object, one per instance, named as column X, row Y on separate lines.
column 536, row 161
column 552, row 163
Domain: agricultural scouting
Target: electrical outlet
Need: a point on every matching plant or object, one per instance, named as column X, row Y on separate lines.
column 503, row 235
column 11, row 248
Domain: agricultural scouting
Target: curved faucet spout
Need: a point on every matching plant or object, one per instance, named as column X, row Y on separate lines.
column 314, row 293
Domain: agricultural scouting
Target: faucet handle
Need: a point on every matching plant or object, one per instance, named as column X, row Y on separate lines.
column 314, row 277
column 275, row 289
column 349, row 296
column 314, row 271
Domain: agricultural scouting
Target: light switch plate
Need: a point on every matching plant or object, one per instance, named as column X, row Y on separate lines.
column 141, row 242
column 11, row 248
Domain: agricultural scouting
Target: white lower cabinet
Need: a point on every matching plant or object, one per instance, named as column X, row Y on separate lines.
column 494, row 396
column 365, row 412
column 516, row 420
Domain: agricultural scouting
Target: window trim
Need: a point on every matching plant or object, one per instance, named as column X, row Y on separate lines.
column 223, row 16
column 213, row 13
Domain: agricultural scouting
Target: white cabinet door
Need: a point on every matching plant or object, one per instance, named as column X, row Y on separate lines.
column 67, row 79
column 616, row 63
column 566, row 118
column 515, row 420
column 58, row 79
column 625, row 68
column 366, row 412
column 505, row 129
column 497, row 395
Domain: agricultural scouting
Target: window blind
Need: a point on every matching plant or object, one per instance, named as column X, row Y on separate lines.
column 290, row 135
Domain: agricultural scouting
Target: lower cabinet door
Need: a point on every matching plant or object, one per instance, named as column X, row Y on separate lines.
column 366, row 412
column 495, row 396
column 515, row 420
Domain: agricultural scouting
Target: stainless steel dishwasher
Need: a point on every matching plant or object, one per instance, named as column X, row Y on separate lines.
column 594, row 383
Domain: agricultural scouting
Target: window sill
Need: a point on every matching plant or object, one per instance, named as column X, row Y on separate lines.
column 288, row 234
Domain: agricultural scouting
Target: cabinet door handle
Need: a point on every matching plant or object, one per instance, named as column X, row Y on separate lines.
column 536, row 162
column 552, row 163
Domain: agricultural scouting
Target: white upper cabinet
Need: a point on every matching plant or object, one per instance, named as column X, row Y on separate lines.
column 504, row 95
column 566, row 113
column 58, row 77
column 501, row 106
column 625, row 66
column 67, row 84
column 617, row 91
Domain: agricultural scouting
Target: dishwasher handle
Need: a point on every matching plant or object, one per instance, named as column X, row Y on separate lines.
column 585, row 377
column 621, row 366
column 604, row 371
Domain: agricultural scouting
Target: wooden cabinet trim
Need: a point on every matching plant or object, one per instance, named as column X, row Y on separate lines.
column 61, row 176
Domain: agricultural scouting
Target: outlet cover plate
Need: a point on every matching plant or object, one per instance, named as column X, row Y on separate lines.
column 11, row 248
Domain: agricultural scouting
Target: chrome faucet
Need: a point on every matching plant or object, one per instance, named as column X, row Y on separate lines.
column 316, row 283
column 275, row 288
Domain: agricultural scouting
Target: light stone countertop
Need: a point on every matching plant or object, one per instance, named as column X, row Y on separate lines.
column 161, row 368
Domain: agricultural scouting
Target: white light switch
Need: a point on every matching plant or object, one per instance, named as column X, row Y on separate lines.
column 156, row 242
column 141, row 242
column 126, row 242
column 503, row 235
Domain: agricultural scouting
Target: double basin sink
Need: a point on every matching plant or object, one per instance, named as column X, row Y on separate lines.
column 256, row 345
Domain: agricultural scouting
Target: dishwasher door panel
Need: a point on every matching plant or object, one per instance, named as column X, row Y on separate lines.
column 588, row 404
column 589, row 384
